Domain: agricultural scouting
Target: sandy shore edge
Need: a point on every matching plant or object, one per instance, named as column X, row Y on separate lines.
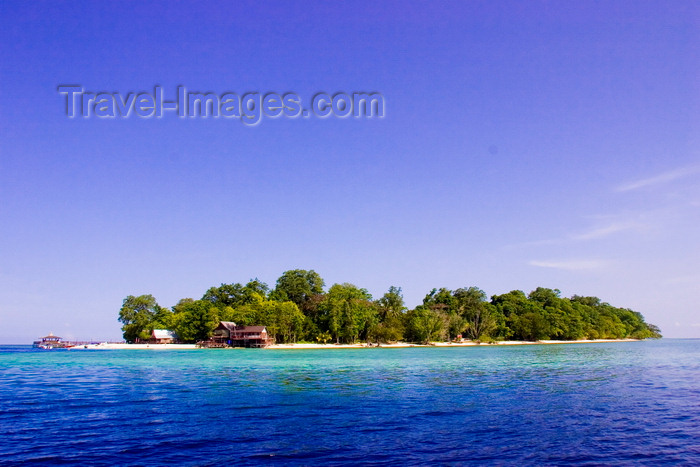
column 441, row 344
column 122, row 346
column 398, row 345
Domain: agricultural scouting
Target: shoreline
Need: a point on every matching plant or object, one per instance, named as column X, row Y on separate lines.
column 124, row 346
column 401, row 345
column 398, row 345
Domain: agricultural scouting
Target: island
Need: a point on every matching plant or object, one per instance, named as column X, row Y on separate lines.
column 299, row 313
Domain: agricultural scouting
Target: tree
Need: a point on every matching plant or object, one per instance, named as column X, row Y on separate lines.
column 391, row 304
column 284, row 320
column 523, row 317
column 391, row 314
column 163, row 319
column 655, row 332
column 391, row 330
column 299, row 286
column 194, row 320
column 425, row 325
column 588, row 301
column 468, row 298
column 441, row 300
column 225, row 295
column 531, row 326
column 546, row 297
column 348, row 312
column 298, row 309
column 444, row 305
column 479, row 315
column 138, row 315
column 456, row 325
column 256, row 286
column 247, row 315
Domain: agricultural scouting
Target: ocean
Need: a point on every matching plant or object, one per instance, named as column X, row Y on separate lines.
column 585, row 404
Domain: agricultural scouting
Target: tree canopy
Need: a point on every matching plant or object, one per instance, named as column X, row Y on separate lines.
column 140, row 315
column 298, row 308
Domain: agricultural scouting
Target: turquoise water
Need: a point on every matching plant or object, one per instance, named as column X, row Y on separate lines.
column 622, row 403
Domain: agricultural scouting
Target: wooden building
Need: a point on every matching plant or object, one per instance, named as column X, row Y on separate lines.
column 162, row 336
column 50, row 342
column 228, row 334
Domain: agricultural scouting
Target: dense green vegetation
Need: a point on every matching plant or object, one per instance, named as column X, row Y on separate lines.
column 299, row 309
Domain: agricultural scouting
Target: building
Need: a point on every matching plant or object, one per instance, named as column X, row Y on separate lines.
column 221, row 336
column 162, row 336
column 228, row 334
column 49, row 342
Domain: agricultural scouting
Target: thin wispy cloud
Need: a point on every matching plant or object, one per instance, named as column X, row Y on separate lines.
column 606, row 231
column 591, row 234
column 659, row 179
column 571, row 265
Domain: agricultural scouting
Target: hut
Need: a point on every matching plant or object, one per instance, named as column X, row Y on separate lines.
column 228, row 334
column 162, row 336
column 50, row 342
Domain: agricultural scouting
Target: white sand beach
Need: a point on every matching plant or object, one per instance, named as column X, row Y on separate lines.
column 438, row 344
column 125, row 346
column 304, row 346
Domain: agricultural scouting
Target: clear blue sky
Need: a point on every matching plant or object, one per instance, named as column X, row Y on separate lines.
column 528, row 144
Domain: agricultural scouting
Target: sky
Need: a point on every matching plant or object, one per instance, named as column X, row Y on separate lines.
column 522, row 145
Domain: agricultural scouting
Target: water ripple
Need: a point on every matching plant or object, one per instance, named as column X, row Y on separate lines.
column 631, row 403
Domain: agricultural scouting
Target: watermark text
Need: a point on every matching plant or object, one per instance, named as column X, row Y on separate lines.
column 250, row 108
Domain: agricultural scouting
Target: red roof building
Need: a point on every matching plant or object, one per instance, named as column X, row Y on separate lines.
column 227, row 333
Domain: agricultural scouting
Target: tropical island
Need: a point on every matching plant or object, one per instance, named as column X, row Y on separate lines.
column 298, row 310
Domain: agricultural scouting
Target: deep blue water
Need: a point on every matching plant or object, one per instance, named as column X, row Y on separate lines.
column 616, row 403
